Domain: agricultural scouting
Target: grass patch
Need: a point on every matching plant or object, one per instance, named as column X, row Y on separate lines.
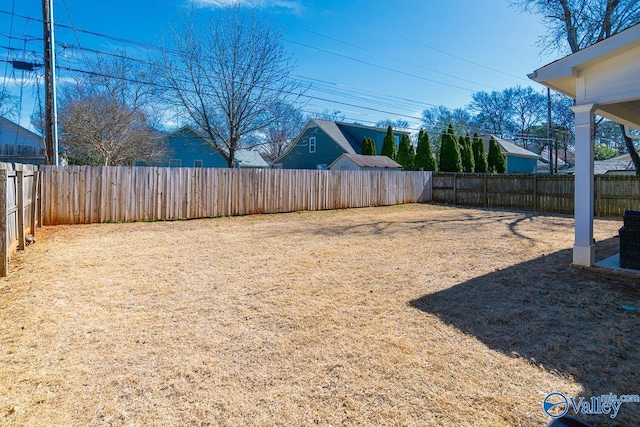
column 412, row 315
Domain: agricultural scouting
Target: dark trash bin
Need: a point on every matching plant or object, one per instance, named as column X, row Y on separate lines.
column 568, row 421
column 630, row 240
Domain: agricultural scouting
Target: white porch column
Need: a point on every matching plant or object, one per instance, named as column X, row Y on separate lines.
column 584, row 249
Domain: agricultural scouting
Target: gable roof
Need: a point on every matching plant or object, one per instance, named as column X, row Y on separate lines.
column 18, row 134
column 339, row 133
column 507, row 147
column 249, row 159
column 380, row 162
column 334, row 132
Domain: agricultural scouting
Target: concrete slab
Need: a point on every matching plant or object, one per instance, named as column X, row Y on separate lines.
column 613, row 264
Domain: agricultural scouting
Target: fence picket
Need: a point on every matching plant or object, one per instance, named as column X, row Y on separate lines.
column 111, row 194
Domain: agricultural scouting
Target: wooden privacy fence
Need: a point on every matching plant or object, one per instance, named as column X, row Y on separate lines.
column 545, row 193
column 89, row 194
column 20, row 202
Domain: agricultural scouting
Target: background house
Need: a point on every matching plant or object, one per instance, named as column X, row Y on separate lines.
column 519, row 160
column 620, row 165
column 564, row 162
column 19, row 145
column 321, row 142
column 349, row 161
column 186, row 148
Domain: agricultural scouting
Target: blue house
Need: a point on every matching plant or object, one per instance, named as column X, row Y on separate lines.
column 519, row 160
column 321, row 142
column 186, row 148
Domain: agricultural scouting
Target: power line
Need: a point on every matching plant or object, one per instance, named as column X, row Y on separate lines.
column 6, row 66
column 342, row 94
column 377, row 65
column 348, row 95
column 396, row 59
column 97, row 74
column 75, row 33
column 173, row 52
column 419, row 43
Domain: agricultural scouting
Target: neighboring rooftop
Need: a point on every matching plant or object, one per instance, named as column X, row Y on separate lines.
column 507, row 147
column 620, row 165
column 378, row 162
column 249, row 159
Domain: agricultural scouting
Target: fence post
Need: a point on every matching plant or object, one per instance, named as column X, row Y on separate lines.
column 4, row 253
column 455, row 188
column 485, row 201
column 598, row 195
column 20, row 207
column 41, row 206
column 34, row 202
column 535, row 192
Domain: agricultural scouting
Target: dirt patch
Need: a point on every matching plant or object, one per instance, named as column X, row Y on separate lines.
column 407, row 315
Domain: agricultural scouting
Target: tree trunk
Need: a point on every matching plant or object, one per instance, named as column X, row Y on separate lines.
column 632, row 151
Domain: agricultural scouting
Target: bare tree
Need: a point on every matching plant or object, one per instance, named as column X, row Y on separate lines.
column 129, row 82
column 109, row 116
column 398, row 124
column 330, row 115
column 229, row 78
column 97, row 130
column 437, row 119
column 494, row 111
column 280, row 134
column 8, row 103
column 576, row 24
column 528, row 109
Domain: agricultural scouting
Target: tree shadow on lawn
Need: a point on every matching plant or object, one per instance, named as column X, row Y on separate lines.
column 473, row 221
column 561, row 318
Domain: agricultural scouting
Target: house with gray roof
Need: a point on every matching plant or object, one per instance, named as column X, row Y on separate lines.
column 619, row 165
column 348, row 161
column 321, row 142
column 519, row 160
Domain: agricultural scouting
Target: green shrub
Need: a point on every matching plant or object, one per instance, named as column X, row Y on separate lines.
column 405, row 153
column 450, row 160
column 389, row 145
column 468, row 164
column 497, row 162
column 424, row 159
column 479, row 155
column 368, row 147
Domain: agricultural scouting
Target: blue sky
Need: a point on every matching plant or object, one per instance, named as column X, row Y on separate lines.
column 398, row 57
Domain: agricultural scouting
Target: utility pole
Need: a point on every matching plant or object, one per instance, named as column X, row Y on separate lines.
column 51, row 111
column 549, row 131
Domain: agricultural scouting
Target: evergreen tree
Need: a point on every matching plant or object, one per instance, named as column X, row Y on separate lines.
column 468, row 165
column 496, row 159
column 450, row 160
column 368, row 147
column 389, row 145
column 405, row 153
column 424, row 159
column 467, row 140
column 412, row 156
column 374, row 148
column 479, row 155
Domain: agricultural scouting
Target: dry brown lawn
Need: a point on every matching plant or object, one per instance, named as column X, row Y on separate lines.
column 408, row 315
